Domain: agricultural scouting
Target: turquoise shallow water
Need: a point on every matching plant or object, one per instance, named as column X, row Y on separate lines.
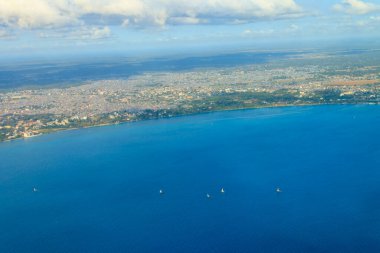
column 98, row 189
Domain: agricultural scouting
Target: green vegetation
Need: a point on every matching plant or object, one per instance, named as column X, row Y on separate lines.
column 219, row 101
column 310, row 80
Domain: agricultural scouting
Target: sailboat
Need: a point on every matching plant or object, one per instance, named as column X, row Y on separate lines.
column 222, row 190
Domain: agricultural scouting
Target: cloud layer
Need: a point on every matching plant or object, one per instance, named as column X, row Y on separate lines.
column 356, row 7
column 55, row 13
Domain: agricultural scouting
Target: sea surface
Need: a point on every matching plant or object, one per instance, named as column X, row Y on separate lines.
column 97, row 189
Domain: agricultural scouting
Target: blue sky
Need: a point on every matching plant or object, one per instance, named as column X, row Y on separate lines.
column 81, row 27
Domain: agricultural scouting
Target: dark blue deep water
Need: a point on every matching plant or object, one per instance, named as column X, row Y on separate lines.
column 98, row 189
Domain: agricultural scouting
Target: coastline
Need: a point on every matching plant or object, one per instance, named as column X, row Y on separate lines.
column 183, row 115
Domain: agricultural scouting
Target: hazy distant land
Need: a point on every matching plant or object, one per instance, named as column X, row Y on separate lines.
column 297, row 79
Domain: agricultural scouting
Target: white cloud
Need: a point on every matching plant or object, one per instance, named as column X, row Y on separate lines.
column 370, row 24
column 356, row 7
column 270, row 31
column 258, row 33
column 293, row 28
column 30, row 14
column 86, row 33
column 375, row 18
column 96, row 33
column 83, row 33
column 4, row 34
column 58, row 13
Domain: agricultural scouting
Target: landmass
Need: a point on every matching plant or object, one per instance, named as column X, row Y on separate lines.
column 306, row 79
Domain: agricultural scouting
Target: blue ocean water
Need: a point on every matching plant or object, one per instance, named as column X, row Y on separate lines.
column 98, row 189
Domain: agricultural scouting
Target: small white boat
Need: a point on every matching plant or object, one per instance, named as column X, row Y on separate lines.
column 222, row 190
column 278, row 190
column 35, row 189
column 208, row 196
column 161, row 191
